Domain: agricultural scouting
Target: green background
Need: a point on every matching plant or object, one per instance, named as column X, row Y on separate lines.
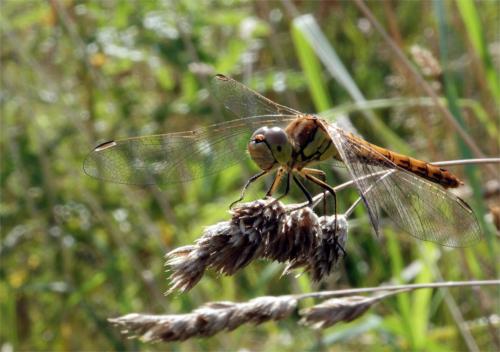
column 76, row 251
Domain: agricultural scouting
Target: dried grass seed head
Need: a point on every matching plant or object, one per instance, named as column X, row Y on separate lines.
column 262, row 229
column 335, row 310
column 207, row 320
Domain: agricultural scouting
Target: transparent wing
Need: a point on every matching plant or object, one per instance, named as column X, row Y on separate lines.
column 419, row 207
column 245, row 102
column 179, row 157
column 175, row 157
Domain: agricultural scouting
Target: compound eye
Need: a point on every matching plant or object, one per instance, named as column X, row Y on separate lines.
column 260, row 134
column 276, row 136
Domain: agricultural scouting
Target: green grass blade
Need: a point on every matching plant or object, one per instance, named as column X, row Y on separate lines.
column 403, row 299
column 421, row 299
column 451, row 91
column 307, row 25
column 312, row 71
column 470, row 16
column 348, row 108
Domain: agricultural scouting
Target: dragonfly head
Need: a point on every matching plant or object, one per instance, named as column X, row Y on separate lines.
column 270, row 146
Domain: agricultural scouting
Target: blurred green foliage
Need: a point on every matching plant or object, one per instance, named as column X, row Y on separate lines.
column 76, row 251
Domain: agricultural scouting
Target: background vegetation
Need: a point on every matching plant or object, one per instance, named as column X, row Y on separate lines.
column 76, row 251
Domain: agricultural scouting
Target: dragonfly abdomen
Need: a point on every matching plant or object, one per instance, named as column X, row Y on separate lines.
column 422, row 168
column 418, row 167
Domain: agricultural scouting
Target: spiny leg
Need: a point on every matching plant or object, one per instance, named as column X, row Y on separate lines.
column 304, row 190
column 323, row 178
column 311, row 171
column 342, row 249
column 248, row 183
column 287, row 187
column 276, row 182
column 326, row 186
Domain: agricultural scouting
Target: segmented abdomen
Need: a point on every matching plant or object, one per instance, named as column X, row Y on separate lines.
column 418, row 167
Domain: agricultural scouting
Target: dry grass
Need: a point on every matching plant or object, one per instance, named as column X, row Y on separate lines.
column 263, row 229
column 215, row 317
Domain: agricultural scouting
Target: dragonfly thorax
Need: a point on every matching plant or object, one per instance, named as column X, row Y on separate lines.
column 270, row 147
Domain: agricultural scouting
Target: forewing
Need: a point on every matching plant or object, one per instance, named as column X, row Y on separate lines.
column 175, row 157
column 419, row 207
column 245, row 102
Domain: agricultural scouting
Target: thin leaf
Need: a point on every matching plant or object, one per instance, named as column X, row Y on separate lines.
column 475, row 31
column 326, row 53
column 312, row 71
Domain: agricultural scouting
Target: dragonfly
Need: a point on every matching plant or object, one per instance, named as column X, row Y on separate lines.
column 414, row 194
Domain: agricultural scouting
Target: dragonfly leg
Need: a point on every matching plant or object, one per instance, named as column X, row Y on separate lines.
column 304, row 190
column 276, row 182
column 287, row 187
column 321, row 174
column 326, row 186
column 248, row 183
column 342, row 249
column 308, row 170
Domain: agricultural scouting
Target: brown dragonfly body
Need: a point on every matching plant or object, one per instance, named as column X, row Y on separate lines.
column 312, row 143
column 413, row 193
column 418, row 167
